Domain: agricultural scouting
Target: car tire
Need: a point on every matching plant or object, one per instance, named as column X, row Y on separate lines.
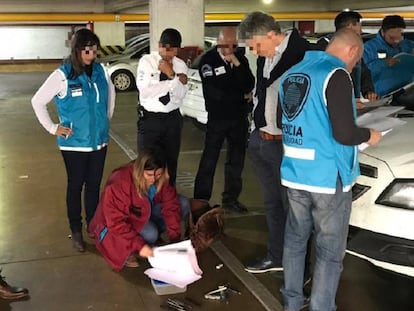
column 123, row 80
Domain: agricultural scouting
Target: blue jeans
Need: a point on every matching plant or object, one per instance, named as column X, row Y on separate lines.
column 156, row 225
column 328, row 216
column 265, row 157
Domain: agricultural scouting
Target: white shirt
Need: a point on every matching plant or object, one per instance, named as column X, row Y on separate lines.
column 272, row 92
column 56, row 84
column 151, row 88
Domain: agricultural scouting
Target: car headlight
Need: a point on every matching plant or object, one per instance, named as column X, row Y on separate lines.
column 400, row 193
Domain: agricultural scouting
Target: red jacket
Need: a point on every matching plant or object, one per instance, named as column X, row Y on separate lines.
column 124, row 214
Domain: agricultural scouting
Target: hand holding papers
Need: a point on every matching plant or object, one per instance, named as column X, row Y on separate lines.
column 378, row 119
column 376, row 103
column 175, row 264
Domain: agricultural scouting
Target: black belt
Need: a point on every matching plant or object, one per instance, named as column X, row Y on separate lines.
column 143, row 113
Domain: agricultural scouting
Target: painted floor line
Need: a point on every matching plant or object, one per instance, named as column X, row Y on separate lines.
column 128, row 151
column 262, row 294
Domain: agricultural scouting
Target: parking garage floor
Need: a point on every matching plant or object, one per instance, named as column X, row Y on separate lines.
column 35, row 251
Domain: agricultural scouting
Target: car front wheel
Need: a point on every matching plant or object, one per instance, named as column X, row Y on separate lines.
column 123, row 80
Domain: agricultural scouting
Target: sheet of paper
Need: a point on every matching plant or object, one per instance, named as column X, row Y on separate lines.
column 177, row 257
column 175, row 264
column 384, row 124
column 377, row 103
column 376, row 114
column 379, row 120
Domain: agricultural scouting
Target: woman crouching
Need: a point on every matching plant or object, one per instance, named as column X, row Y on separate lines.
column 137, row 205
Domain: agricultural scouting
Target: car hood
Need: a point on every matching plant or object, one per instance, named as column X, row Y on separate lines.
column 390, row 160
column 396, row 149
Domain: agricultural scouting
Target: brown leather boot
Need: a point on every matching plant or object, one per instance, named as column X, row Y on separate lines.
column 11, row 292
column 78, row 242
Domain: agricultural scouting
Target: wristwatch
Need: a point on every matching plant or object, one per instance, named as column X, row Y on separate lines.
column 172, row 76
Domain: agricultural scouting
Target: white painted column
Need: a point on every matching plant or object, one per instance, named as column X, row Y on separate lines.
column 110, row 33
column 187, row 16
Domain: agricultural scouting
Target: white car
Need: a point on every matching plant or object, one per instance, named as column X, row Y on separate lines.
column 382, row 217
column 193, row 104
column 132, row 45
column 122, row 68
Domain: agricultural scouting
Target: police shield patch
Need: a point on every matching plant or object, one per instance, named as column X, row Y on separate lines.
column 206, row 71
column 296, row 89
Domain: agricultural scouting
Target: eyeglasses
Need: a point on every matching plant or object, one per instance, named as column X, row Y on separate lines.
column 90, row 49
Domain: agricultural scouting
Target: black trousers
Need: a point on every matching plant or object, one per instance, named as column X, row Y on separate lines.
column 83, row 169
column 235, row 133
column 162, row 130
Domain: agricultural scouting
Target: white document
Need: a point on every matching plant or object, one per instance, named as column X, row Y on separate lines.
column 377, row 114
column 385, row 124
column 376, row 103
column 175, row 264
column 379, row 120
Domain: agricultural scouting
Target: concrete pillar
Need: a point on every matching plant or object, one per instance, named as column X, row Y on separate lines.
column 110, row 33
column 324, row 25
column 112, row 37
column 187, row 16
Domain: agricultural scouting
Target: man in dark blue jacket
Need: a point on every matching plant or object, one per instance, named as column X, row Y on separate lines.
column 227, row 81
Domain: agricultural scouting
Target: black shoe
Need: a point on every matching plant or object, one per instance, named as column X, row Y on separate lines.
column 235, row 207
column 11, row 292
column 263, row 265
column 78, row 242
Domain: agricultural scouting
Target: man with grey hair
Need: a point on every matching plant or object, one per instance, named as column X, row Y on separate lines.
column 277, row 51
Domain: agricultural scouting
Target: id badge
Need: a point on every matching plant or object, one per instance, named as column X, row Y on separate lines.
column 76, row 90
column 219, row 70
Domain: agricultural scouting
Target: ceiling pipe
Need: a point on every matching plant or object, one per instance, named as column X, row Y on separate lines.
column 60, row 17
column 215, row 17
column 209, row 17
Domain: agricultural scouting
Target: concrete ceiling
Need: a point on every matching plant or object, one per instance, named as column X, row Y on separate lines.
column 211, row 6
column 244, row 6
